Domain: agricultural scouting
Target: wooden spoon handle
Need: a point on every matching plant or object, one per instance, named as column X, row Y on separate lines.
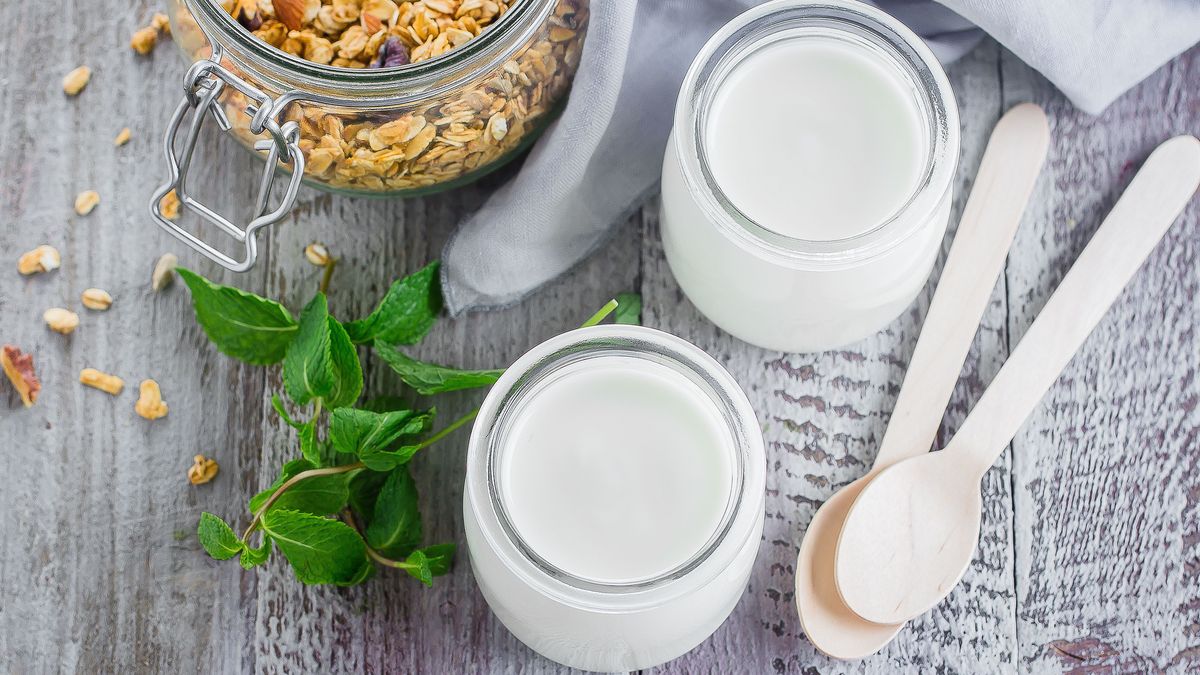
column 1151, row 203
column 1010, row 166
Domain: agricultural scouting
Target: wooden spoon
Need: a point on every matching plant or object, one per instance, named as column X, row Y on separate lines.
column 911, row 533
column 1007, row 173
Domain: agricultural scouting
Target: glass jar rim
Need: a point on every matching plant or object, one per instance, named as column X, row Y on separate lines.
column 731, row 536
column 859, row 23
column 428, row 78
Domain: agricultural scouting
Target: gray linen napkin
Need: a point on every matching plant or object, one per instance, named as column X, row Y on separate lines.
column 597, row 162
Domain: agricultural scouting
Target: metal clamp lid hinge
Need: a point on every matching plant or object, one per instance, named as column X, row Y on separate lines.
column 203, row 85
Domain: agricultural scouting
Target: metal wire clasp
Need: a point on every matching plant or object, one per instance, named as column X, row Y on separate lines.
column 203, row 85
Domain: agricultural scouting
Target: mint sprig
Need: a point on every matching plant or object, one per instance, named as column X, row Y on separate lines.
column 347, row 504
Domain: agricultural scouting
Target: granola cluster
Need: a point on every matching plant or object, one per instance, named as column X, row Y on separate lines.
column 439, row 140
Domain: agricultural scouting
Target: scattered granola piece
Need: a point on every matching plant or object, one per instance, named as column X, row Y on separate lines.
column 317, row 254
column 150, row 404
column 41, row 259
column 86, row 201
column 202, row 470
column 102, row 381
column 164, row 271
column 18, row 366
column 61, row 320
column 96, row 298
column 162, row 23
column 169, row 205
column 123, row 137
column 144, row 39
column 76, row 80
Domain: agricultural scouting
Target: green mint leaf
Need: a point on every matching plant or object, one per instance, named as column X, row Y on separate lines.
column 318, row 495
column 277, row 403
column 364, row 492
column 242, row 325
column 395, row 528
column 439, row 557
column 381, row 441
column 431, row 378
column 629, row 309
column 308, row 365
column 253, row 557
column 347, row 370
column 418, row 567
column 321, row 551
column 406, row 313
column 217, row 538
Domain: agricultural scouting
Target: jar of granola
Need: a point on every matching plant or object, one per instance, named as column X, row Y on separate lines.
column 369, row 97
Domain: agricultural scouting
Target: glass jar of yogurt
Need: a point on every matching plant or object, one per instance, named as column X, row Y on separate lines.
column 375, row 98
column 614, row 497
column 808, row 179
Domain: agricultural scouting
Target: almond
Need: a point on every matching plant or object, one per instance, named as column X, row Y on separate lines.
column 371, row 23
column 295, row 13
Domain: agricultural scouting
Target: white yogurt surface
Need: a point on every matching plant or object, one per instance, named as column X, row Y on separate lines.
column 815, row 139
column 617, row 470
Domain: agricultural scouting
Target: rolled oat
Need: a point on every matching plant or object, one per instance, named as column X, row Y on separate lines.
column 61, row 320
column 41, row 259
column 103, row 381
column 86, row 201
column 96, row 298
column 76, row 80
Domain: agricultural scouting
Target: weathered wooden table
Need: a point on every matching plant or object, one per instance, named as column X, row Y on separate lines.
column 1090, row 550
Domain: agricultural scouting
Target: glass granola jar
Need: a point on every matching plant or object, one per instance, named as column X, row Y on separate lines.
column 614, row 497
column 784, row 267
column 401, row 130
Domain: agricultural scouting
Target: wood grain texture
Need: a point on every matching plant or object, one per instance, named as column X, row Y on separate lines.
column 1107, row 471
column 99, row 567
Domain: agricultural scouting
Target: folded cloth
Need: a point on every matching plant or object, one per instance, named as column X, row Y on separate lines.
column 604, row 154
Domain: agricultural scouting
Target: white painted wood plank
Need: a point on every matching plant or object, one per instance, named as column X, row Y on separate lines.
column 1107, row 471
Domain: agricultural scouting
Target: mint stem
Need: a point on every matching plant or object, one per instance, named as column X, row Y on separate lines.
column 448, row 430
column 311, row 473
column 327, row 275
column 599, row 316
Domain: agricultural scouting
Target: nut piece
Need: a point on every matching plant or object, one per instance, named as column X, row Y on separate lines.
column 123, row 137
column 61, row 320
column 150, row 404
column 317, row 254
column 18, row 367
column 169, row 205
column 86, row 201
column 294, row 13
column 102, row 381
column 161, row 22
column 41, row 259
column 202, row 470
column 164, row 271
column 96, row 298
column 144, row 39
column 76, row 80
